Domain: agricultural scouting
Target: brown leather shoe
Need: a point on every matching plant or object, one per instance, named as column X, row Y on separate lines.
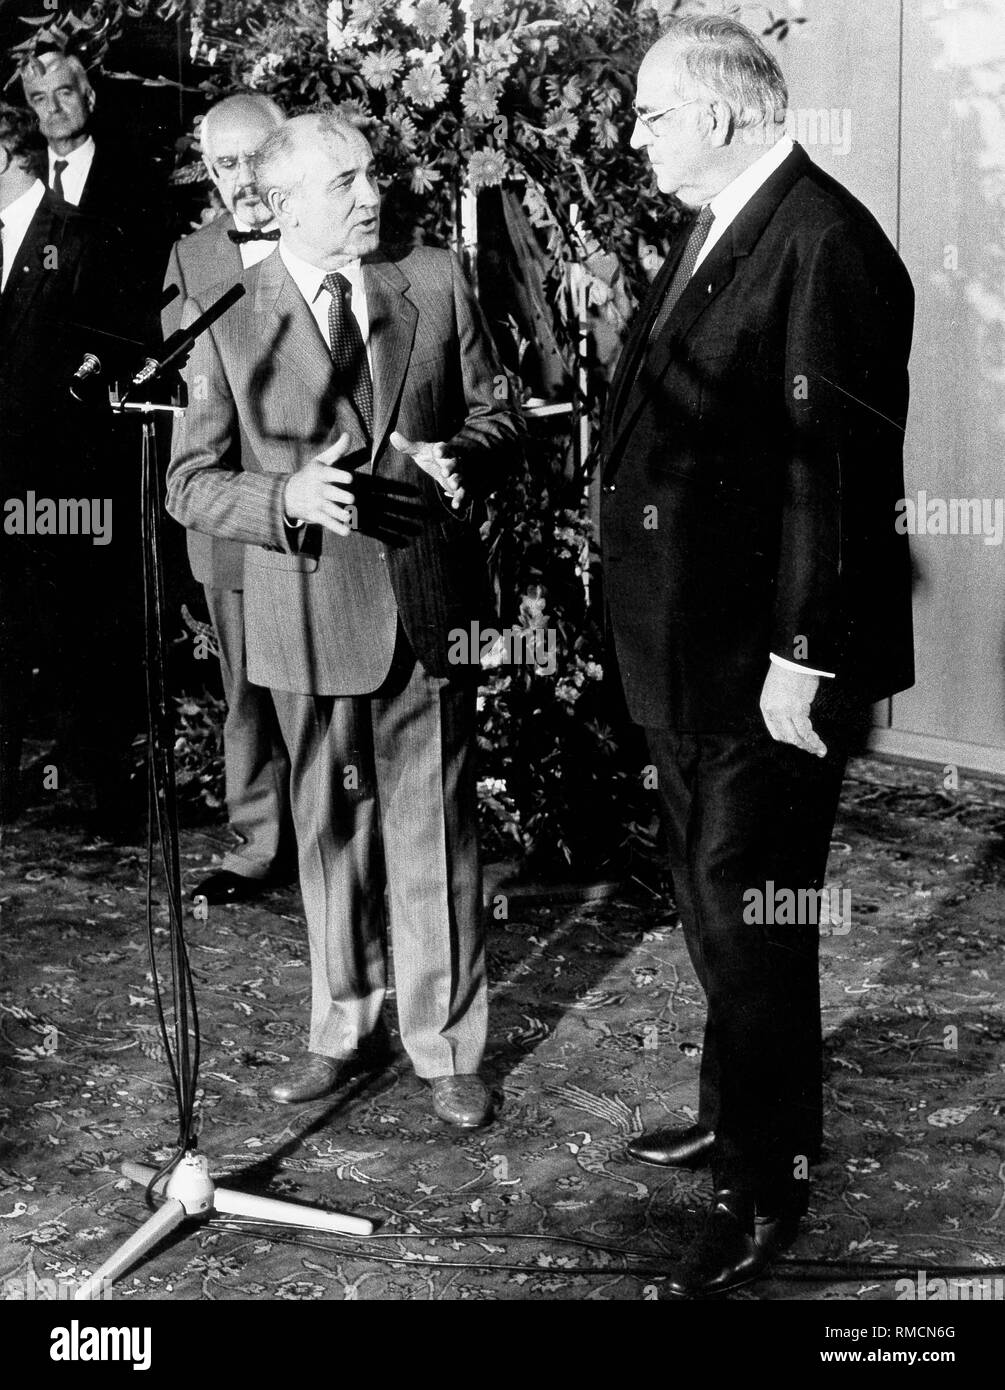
column 461, row 1100
column 309, row 1078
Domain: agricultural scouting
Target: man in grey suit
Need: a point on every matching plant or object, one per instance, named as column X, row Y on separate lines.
column 356, row 576
column 257, row 769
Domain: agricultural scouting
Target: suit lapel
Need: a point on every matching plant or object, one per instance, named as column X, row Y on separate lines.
column 226, row 252
column 393, row 318
column 288, row 327
column 636, row 344
column 705, row 286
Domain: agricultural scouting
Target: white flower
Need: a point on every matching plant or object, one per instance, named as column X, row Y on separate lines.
column 425, row 86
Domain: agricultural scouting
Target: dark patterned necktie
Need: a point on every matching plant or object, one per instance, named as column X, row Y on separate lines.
column 348, row 352
column 699, row 235
column 57, row 181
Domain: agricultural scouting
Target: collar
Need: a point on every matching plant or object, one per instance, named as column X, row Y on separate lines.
column 309, row 279
column 82, row 154
column 736, row 195
column 23, row 209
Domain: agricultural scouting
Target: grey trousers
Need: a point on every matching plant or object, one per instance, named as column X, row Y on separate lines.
column 384, row 796
column 257, row 768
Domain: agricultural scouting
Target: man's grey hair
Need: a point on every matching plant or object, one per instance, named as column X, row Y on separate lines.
column 276, row 163
column 721, row 59
column 41, row 63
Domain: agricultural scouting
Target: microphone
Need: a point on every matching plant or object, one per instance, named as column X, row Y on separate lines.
column 179, row 344
column 92, row 366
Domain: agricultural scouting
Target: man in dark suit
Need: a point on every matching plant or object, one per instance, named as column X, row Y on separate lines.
column 306, row 441
column 257, row 769
column 95, row 173
column 759, row 594
column 59, row 578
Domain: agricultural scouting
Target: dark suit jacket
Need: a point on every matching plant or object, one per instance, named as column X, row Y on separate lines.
column 63, row 299
column 765, row 427
column 198, row 263
column 121, row 190
column 321, row 611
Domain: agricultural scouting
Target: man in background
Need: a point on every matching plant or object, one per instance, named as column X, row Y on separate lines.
column 201, row 265
column 96, row 172
column 66, row 607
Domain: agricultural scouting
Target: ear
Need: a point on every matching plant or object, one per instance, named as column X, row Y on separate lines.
column 720, row 130
column 90, row 98
column 278, row 203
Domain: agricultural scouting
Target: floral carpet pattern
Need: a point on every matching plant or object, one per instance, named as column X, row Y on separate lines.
column 595, row 1030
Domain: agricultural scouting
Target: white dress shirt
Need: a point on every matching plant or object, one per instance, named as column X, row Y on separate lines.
column 309, row 280
column 16, row 218
column 254, row 251
column 78, row 166
column 726, row 207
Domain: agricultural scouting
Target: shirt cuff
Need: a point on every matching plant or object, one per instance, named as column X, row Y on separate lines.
column 794, row 666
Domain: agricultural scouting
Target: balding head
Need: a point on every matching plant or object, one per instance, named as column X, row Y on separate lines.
column 317, row 175
column 230, row 134
column 57, row 89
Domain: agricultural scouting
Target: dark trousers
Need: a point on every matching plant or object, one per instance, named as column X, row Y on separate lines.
column 69, row 612
column 746, row 819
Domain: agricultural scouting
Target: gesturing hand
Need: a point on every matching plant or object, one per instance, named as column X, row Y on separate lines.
column 318, row 492
column 785, row 706
column 432, row 460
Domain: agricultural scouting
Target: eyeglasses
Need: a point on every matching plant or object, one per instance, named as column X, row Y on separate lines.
column 648, row 118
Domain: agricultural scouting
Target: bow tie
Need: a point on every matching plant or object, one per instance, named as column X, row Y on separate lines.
column 239, row 238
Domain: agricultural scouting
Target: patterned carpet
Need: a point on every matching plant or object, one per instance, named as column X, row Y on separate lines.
column 596, row 1028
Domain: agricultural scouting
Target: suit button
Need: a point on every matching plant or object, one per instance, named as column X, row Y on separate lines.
column 610, row 487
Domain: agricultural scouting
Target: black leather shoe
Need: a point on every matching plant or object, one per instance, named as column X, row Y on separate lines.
column 225, row 887
column 735, row 1247
column 674, row 1148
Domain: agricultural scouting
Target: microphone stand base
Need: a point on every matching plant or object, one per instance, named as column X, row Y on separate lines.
column 190, row 1194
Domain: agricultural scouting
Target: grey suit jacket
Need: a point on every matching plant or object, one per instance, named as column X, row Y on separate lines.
column 206, row 260
column 321, row 611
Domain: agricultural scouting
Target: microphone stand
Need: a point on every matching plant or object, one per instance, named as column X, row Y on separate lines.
column 185, row 1184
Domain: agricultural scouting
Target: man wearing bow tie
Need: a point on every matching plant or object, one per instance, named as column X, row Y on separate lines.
column 350, row 415
column 257, row 770
column 760, row 597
